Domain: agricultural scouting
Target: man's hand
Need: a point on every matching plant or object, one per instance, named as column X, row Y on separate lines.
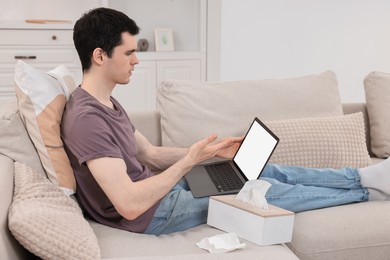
column 206, row 149
column 230, row 150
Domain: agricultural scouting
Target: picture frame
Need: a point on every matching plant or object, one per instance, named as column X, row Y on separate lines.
column 164, row 39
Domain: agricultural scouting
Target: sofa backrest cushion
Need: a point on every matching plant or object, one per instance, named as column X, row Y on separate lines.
column 41, row 100
column 377, row 90
column 148, row 123
column 15, row 142
column 191, row 111
column 350, row 108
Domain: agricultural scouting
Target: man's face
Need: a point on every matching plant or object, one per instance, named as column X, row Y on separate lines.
column 123, row 60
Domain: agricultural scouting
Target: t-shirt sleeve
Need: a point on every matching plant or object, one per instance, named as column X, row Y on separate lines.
column 90, row 138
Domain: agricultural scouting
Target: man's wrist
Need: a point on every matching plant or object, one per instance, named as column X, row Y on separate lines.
column 186, row 163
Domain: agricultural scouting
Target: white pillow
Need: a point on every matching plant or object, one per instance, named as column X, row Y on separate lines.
column 41, row 100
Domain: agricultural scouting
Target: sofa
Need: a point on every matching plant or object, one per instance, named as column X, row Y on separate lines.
column 316, row 130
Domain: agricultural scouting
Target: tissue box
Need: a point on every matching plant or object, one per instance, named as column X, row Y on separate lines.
column 260, row 226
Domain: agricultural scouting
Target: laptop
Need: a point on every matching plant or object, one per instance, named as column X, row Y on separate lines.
column 228, row 177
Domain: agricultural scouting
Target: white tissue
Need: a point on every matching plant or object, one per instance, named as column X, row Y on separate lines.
column 254, row 192
column 221, row 243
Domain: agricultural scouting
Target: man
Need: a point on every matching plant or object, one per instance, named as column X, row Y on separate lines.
column 102, row 144
column 112, row 161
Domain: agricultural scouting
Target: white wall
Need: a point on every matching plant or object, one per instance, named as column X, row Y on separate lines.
column 151, row 14
column 44, row 9
column 285, row 38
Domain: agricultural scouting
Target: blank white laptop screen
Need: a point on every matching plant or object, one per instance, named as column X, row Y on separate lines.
column 255, row 150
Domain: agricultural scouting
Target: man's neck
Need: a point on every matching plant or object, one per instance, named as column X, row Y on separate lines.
column 98, row 88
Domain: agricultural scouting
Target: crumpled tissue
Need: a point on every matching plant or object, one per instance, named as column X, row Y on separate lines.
column 221, row 243
column 254, row 192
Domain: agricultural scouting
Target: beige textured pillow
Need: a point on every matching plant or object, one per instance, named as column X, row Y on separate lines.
column 377, row 89
column 41, row 100
column 333, row 142
column 191, row 111
column 46, row 221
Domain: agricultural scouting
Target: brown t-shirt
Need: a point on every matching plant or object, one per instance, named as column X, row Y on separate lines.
column 91, row 130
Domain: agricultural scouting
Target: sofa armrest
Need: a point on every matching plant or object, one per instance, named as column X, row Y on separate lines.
column 350, row 108
column 148, row 123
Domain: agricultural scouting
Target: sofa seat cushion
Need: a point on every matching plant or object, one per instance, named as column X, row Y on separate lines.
column 354, row 231
column 115, row 243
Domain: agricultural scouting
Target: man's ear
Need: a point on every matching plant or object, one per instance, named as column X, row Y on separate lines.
column 97, row 56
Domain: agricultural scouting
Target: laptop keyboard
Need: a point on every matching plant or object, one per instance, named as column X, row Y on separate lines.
column 224, row 177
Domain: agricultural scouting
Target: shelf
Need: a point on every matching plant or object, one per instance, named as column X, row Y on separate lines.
column 175, row 55
column 21, row 25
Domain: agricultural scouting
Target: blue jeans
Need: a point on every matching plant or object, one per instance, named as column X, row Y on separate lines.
column 293, row 188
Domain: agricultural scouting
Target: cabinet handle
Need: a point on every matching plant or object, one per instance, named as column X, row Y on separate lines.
column 21, row 57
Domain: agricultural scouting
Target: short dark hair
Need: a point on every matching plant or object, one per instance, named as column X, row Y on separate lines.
column 100, row 28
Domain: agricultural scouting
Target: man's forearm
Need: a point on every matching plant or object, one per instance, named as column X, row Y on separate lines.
column 161, row 158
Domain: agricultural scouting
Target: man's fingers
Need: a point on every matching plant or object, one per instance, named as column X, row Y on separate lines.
column 211, row 138
column 225, row 143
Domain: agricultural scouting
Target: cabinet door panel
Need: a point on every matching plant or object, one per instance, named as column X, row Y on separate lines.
column 140, row 93
column 178, row 70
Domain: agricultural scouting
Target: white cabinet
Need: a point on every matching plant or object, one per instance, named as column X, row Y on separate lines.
column 42, row 48
column 47, row 45
column 178, row 69
column 187, row 19
column 140, row 93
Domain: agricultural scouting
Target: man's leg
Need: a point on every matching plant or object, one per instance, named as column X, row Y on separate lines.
column 300, row 189
column 178, row 211
column 299, row 197
column 345, row 178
